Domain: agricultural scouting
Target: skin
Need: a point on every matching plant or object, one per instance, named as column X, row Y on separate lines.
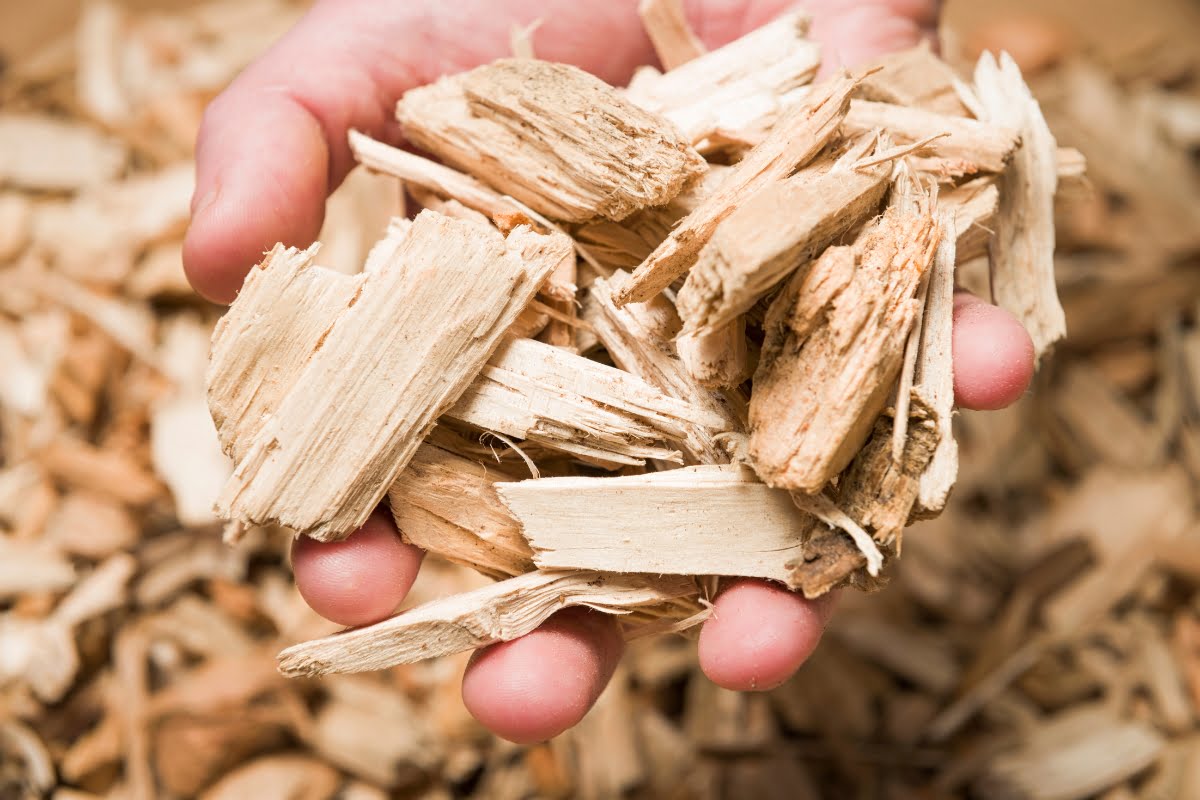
column 272, row 147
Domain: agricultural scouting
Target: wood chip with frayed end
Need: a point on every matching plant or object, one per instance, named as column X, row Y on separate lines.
column 781, row 227
column 552, row 136
column 601, row 523
column 1022, row 249
column 318, row 413
column 447, row 504
column 876, row 492
column 835, row 342
column 548, row 395
column 800, row 135
column 497, row 613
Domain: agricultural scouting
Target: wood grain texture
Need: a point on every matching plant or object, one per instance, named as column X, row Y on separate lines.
column 547, row 395
column 559, row 140
column 496, row 613
column 784, row 225
column 322, row 385
column 800, row 135
column 602, row 523
column 1022, row 249
column 835, row 341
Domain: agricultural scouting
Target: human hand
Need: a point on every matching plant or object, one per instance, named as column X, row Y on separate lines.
column 273, row 146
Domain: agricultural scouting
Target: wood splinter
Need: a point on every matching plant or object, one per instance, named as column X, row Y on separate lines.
column 500, row 612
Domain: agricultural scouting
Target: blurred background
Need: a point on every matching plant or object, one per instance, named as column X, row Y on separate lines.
column 1040, row 640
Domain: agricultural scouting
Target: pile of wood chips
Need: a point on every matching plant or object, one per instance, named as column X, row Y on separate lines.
column 1041, row 638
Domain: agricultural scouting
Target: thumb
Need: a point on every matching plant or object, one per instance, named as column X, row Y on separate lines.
column 273, row 144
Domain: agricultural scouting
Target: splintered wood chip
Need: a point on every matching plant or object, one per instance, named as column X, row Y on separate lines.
column 318, row 458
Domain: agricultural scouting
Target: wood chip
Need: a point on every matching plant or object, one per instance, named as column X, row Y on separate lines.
column 835, row 340
column 277, row 476
column 496, row 613
column 552, row 136
column 781, row 227
column 1022, row 250
column 800, row 134
column 599, row 523
column 674, row 41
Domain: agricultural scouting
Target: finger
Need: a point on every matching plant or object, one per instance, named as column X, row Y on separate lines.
column 361, row 579
column 856, row 32
column 273, row 145
column 760, row 634
column 535, row 687
column 993, row 355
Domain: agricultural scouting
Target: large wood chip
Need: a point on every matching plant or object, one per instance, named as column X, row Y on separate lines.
column 496, row 613
column 1022, row 249
column 319, row 413
column 559, row 140
column 934, row 377
column 781, row 227
column 917, row 78
column 835, row 342
column 601, row 523
column 800, row 135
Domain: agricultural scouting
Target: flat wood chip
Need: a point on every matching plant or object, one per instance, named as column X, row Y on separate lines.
column 320, row 429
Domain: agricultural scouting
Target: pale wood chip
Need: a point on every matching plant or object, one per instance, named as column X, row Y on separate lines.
column 496, row 613
column 1022, row 249
column 601, row 523
column 317, row 457
column 799, row 136
column 666, row 24
column 555, row 138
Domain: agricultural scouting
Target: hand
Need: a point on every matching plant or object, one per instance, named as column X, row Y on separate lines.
column 273, row 146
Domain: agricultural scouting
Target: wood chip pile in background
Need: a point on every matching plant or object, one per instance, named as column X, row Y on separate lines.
column 1041, row 639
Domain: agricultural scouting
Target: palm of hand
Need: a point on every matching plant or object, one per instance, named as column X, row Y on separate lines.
column 273, row 146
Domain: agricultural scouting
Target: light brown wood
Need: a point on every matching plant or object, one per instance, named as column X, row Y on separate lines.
column 801, row 133
column 496, row 613
column 547, row 395
column 1022, row 249
column 641, row 339
column 718, row 359
column 735, row 94
column 917, row 78
column 835, row 340
column 784, row 225
column 972, row 146
column 600, row 523
column 294, row 463
column 552, row 136
column 43, row 153
column 675, row 43
column 429, row 175
column 934, row 377
column 447, row 505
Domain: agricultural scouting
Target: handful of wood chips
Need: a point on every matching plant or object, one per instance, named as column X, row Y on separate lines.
column 709, row 313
